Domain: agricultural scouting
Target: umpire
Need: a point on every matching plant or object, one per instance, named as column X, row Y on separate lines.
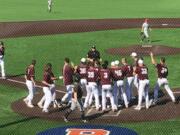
column 93, row 54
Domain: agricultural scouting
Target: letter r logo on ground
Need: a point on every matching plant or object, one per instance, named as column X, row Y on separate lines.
column 73, row 131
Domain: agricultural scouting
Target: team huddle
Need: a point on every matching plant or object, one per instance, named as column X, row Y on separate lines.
column 104, row 85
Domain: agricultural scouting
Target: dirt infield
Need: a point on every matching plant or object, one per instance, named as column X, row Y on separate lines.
column 36, row 28
column 164, row 110
column 144, row 50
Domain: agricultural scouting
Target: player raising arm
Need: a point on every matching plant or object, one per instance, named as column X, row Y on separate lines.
column 162, row 71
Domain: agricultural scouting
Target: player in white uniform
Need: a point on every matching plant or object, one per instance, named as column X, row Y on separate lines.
column 145, row 31
column 50, row 5
column 30, row 83
column 2, row 49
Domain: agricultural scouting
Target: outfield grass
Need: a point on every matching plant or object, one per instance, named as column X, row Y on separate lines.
column 21, row 10
column 13, row 124
column 20, row 51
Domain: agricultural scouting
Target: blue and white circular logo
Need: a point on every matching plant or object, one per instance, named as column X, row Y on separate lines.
column 89, row 130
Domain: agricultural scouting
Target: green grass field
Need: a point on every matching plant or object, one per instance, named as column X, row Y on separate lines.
column 53, row 48
column 79, row 9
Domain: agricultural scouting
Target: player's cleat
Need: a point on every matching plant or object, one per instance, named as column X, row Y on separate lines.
column 98, row 109
column 3, row 77
column 149, row 104
column 30, row 105
column 45, row 111
column 84, row 121
column 25, row 101
column 65, row 119
column 154, row 102
column 39, row 105
column 138, row 108
column 114, row 110
column 126, row 105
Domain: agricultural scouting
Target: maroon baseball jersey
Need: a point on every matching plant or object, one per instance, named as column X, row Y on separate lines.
column 128, row 70
column 142, row 72
column 82, row 70
column 47, row 78
column 30, row 72
column 162, row 71
column 105, row 76
column 92, row 75
column 68, row 73
column 118, row 73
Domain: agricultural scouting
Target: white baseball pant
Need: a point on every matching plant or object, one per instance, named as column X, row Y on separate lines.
column 83, row 83
column 107, row 92
column 143, row 88
column 2, row 67
column 31, row 89
column 48, row 98
column 68, row 94
column 164, row 82
column 92, row 89
column 119, row 90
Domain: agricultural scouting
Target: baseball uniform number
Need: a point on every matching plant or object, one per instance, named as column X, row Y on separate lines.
column 144, row 71
column 118, row 72
column 164, row 70
column 90, row 74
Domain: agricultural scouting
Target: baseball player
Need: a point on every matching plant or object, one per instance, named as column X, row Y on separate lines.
column 145, row 31
column 30, row 83
column 2, row 52
column 68, row 72
column 82, row 71
column 162, row 71
column 106, row 81
column 129, row 75
column 52, row 88
column 50, row 2
column 118, row 74
column 47, row 85
column 92, row 87
column 142, row 72
column 97, row 66
column 76, row 102
column 135, row 64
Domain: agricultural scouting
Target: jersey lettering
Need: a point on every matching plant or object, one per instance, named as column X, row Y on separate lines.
column 87, row 132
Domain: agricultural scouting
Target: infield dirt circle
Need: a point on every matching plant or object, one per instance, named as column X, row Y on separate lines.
column 165, row 109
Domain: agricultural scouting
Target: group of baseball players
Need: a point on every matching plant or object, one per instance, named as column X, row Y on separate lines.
column 104, row 85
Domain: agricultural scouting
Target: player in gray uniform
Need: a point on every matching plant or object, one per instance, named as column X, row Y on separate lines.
column 76, row 101
column 145, row 31
column 50, row 2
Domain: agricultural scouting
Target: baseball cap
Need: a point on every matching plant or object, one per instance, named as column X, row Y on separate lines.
column 140, row 61
column 112, row 63
column 83, row 60
column 133, row 54
column 94, row 47
column 116, row 62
